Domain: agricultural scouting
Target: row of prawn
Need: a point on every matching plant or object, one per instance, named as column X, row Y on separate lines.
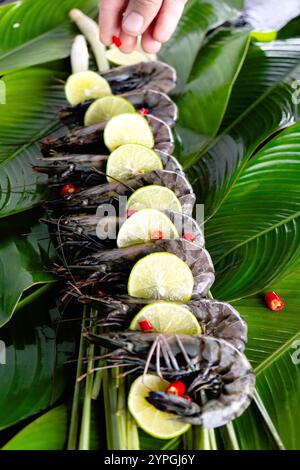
column 213, row 367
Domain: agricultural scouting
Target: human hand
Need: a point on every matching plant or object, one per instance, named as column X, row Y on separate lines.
column 155, row 20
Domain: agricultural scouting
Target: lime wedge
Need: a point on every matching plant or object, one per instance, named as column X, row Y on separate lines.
column 84, row 86
column 128, row 129
column 168, row 317
column 131, row 160
column 143, row 225
column 161, row 276
column 154, row 197
column 263, row 36
column 115, row 56
column 105, row 108
column 158, row 424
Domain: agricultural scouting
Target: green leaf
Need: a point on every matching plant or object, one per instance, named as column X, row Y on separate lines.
column 32, row 31
column 254, row 237
column 24, row 255
column 218, row 169
column 48, row 432
column 292, row 29
column 203, row 103
column 32, row 100
column 265, row 65
column 200, row 17
column 35, row 374
column 274, row 350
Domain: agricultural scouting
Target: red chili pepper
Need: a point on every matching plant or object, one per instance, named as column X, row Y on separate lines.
column 176, row 388
column 67, row 190
column 117, row 41
column 187, row 397
column 189, row 236
column 144, row 111
column 145, row 325
column 129, row 213
column 48, row 141
column 274, row 301
column 159, row 235
column 100, row 293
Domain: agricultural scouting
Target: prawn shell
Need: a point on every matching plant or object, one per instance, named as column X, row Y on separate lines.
column 92, row 198
column 89, row 140
column 87, row 170
column 217, row 319
column 219, row 378
column 153, row 75
column 157, row 103
column 123, row 259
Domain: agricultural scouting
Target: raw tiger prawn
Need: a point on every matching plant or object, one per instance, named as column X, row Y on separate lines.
column 218, row 378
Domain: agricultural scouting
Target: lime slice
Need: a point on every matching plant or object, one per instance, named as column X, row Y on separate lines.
column 263, row 36
column 86, row 85
column 142, row 225
column 128, row 129
column 117, row 57
column 161, row 276
column 105, row 108
column 168, row 317
column 154, row 197
column 131, row 160
column 158, row 424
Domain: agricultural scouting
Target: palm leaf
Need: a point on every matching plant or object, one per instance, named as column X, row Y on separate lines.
column 25, row 254
column 200, row 17
column 266, row 64
column 48, row 432
column 204, row 99
column 274, row 345
column 34, row 31
column 33, row 98
column 36, row 352
column 217, row 170
column 254, row 237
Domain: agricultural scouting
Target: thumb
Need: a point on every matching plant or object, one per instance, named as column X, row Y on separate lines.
column 139, row 15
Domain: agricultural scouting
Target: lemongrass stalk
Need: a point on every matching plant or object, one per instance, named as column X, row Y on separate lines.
column 79, row 55
column 232, row 436
column 97, row 382
column 202, row 439
column 73, row 431
column 114, row 434
column 172, row 444
column 212, row 438
column 188, row 439
column 90, row 30
column 84, row 437
column 121, row 412
column 132, row 433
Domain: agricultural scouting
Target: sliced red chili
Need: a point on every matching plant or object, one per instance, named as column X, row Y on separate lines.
column 144, row 111
column 100, row 293
column 189, row 236
column 117, row 41
column 67, row 190
column 176, row 388
column 159, row 235
column 274, row 301
column 129, row 213
column 145, row 325
column 187, row 397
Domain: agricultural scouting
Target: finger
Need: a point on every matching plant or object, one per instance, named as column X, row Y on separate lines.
column 110, row 19
column 128, row 43
column 139, row 15
column 168, row 19
column 148, row 43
